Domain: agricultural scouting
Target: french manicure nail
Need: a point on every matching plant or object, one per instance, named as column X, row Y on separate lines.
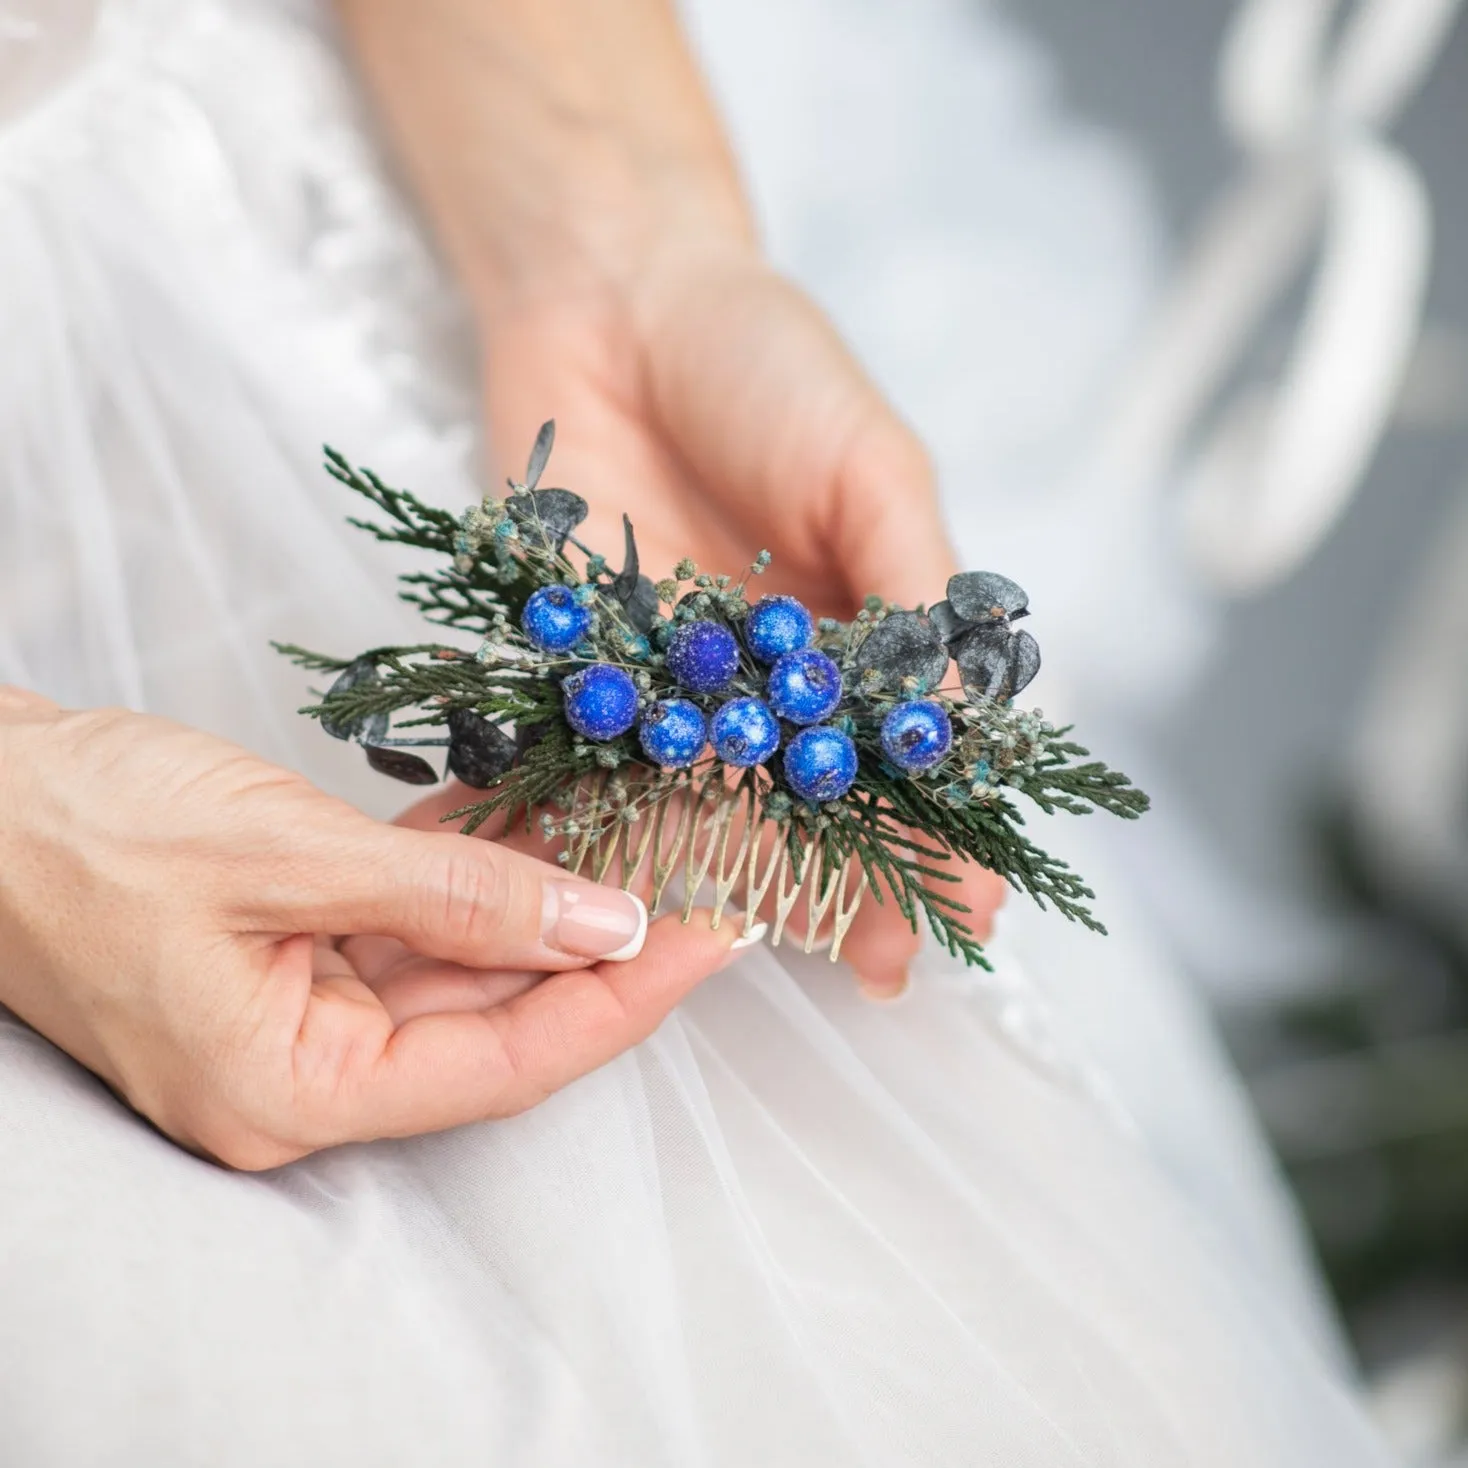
column 749, row 939
column 593, row 921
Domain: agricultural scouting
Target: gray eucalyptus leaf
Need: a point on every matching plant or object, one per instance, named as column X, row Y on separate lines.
column 540, row 453
column 361, row 670
column 947, row 623
column 985, row 596
column 1024, row 661
column 402, row 765
column 527, row 736
column 994, row 662
column 642, row 606
column 904, row 645
column 480, row 752
column 546, row 517
column 635, row 593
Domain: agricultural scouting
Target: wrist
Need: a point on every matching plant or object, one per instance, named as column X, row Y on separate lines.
column 599, row 231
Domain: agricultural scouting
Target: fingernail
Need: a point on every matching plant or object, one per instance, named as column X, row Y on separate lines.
column 735, row 918
column 883, row 990
column 593, row 921
column 749, row 939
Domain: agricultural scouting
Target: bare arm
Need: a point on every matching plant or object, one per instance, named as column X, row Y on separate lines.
column 558, row 143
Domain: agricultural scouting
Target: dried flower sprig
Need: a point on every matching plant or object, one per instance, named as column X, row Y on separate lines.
column 677, row 732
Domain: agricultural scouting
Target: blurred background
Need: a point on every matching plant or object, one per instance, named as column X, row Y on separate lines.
column 1319, row 747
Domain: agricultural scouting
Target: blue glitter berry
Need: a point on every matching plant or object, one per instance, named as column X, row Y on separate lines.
column 673, row 733
column 703, row 656
column 916, row 735
column 553, row 619
column 804, row 687
column 601, row 702
column 745, row 732
column 820, row 764
column 777, row 625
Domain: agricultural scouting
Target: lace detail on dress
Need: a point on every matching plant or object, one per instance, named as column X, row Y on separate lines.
column 291, row 198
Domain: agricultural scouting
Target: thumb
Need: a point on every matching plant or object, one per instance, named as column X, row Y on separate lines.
column 463, row 900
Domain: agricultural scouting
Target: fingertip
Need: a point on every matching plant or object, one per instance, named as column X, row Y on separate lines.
column 881, row 945
column 734, row 929
column 681, row 952
column 883, row 986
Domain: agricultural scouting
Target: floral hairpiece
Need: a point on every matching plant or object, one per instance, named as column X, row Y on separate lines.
column 675, row 730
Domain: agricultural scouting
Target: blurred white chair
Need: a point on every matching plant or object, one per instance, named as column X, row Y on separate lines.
column 1266, row 469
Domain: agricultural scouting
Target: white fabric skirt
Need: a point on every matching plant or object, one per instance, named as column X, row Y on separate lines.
column 1018, row 1219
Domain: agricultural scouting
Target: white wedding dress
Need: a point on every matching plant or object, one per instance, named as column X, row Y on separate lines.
column 1011, row 1220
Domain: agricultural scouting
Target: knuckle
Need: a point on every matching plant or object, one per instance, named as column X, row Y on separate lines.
column 473, row 896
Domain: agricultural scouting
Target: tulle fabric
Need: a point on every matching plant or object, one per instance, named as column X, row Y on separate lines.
column 1010, row 1220
column 792, row 1229
column 192, row 302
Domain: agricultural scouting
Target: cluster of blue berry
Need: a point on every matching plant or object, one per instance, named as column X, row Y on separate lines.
column 803, row 687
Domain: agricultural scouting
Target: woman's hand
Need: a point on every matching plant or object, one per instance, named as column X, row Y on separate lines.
column 163, row 897
column 711, row 400
column 579, row 181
